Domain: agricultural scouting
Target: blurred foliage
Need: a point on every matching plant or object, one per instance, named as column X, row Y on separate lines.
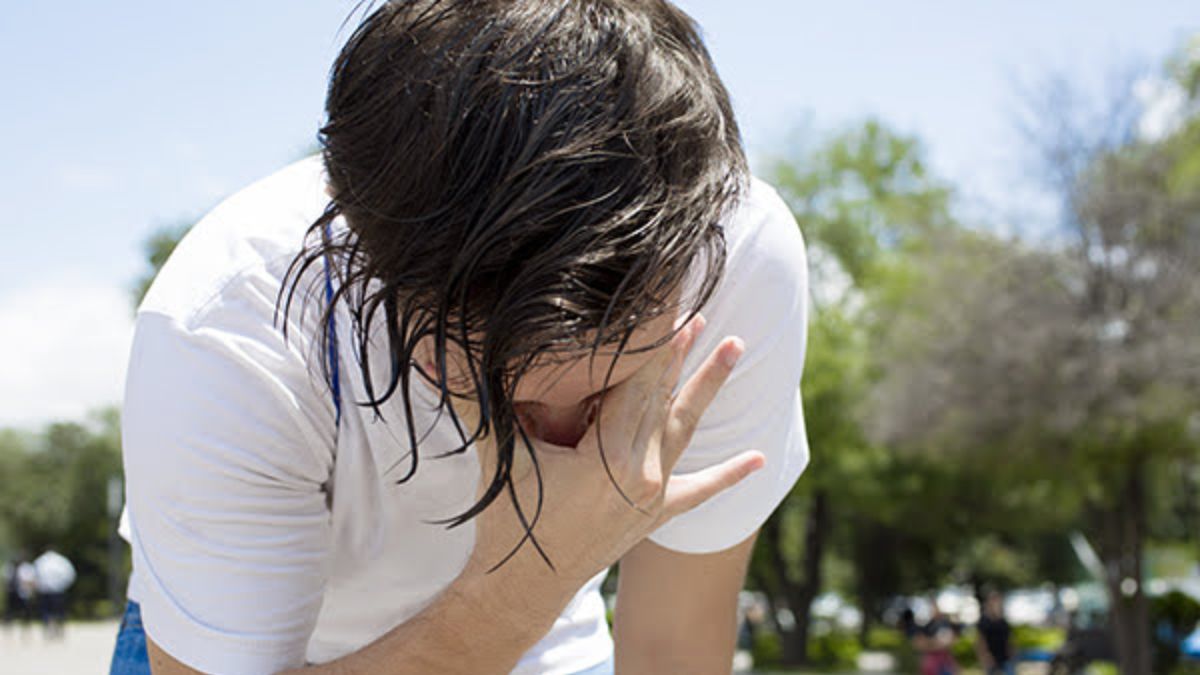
column 860, row 197
column 863, row 194
column 972, row 397
column 767, row 650
column 885, row 639
column 896, row 521
column 1038, row 637
column 1062, row 365
column 829, row 650
column 893, row 641
column 963, row 650
column 834, row 650
column 55, row 487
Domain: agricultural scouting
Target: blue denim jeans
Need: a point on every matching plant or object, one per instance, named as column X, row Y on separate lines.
column 130, row 658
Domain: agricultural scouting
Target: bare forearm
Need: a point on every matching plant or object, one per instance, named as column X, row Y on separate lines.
column 676, row 612
column 480, row 625
column 477, row 626
column 648, row 657
column 697, row 644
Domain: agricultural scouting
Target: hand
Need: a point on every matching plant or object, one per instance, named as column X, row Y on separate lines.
column 586, row 524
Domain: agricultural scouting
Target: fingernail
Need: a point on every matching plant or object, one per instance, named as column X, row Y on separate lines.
column 731, row 354
column 756, row 464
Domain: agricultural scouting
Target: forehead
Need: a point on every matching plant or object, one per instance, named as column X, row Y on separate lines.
column 569, row 380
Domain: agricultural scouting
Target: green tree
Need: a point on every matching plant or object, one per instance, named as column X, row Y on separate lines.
column 56, row 486
column 1070, row 362
column 861, row 199
column 908, row 516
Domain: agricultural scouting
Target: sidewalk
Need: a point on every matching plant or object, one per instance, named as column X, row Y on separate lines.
column 85, row 650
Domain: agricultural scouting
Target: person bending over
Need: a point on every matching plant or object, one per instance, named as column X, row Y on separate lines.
column 399, row 407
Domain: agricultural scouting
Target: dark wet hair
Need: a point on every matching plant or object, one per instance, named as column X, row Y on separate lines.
column 523, row 179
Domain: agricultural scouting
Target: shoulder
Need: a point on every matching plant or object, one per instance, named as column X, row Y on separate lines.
column 243, row 246
column 212, row 374
column 762, row 297
column 762, row 230
column 766, row 267
column 763, row 292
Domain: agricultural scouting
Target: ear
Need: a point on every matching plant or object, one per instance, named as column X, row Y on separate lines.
column 423, row 358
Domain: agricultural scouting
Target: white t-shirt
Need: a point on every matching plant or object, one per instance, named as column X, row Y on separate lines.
column 265, row 535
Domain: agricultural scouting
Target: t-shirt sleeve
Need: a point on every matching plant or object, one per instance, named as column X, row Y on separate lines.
column 227, row 446
column 762, row 298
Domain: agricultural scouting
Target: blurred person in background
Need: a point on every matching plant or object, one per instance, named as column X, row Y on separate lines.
column 54, row 575
column 993, row 639
column 399, row 408
column 20, row 590
column 934, row 641
column 908, row 623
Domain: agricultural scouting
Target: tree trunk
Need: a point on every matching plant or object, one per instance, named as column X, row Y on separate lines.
column 793, row 642
column 874, row 568
column 799, row 595
column 866, row 608
column 816, row 532
column 975, row 579
column 1122, row 537
column 769, row 586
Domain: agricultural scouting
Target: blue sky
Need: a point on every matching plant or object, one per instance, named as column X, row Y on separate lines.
column 122, row 117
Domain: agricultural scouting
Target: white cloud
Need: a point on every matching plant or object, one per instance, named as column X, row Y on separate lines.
column 63, row 349
column 1164, row 107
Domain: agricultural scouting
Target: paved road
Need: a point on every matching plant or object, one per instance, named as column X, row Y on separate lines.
column 85, row 650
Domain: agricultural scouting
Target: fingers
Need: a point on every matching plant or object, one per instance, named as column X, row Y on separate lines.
column 687, row 491
column 681, row 345
column 623, row 408
column 696, row 395
column 668, row 358
column 656, row 402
